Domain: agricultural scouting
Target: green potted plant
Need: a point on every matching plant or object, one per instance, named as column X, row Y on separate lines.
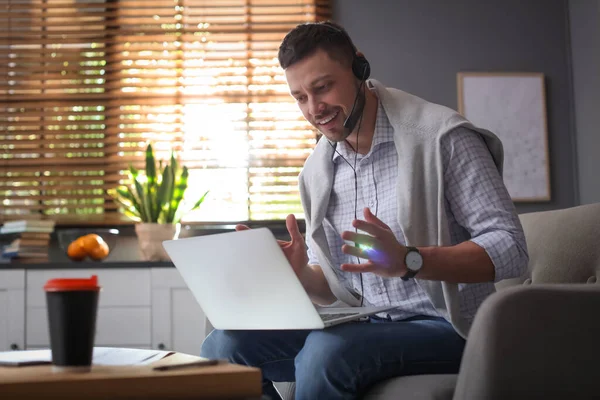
column 155, row 200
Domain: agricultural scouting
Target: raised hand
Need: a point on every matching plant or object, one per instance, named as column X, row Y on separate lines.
column 295, row 249
column 380, row 247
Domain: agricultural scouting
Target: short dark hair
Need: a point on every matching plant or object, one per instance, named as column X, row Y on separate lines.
column 305, row 39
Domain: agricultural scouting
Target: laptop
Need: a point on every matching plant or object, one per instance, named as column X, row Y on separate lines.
column 243, row 281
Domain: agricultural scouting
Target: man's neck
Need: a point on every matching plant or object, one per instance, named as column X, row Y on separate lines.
column 366, row 125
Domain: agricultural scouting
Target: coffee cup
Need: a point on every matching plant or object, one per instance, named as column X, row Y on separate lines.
column 72, row 308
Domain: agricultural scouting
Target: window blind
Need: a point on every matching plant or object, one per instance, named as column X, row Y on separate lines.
column 88, row 83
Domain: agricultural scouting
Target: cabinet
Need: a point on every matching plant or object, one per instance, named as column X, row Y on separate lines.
column 138, row 307
column 12, row 310
column 178, row 322
column 124, row 306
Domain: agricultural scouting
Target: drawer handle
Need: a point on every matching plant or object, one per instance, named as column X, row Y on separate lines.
column 14, row 346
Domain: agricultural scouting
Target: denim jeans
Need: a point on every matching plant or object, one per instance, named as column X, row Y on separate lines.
column 344, row 361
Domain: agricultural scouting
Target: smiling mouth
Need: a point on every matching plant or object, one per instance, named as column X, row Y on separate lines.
column 328, row 119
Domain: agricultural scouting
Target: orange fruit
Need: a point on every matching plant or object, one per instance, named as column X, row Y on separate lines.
column 90, row 242
column 89, row 245
column 99, row 252
column 75, row 251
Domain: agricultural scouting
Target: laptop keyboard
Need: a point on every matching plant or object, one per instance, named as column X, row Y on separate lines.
column 329, row 317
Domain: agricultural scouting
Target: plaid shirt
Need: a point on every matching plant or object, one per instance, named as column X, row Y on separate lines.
column 478, row 208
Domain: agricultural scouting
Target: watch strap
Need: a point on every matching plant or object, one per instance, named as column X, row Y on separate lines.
column 408, row 275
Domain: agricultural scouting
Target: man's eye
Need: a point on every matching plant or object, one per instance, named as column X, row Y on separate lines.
column 301, row 99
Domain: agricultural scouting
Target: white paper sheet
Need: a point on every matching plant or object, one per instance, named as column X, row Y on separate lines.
column 102, row 356
column 121, row 356
column 29, row 357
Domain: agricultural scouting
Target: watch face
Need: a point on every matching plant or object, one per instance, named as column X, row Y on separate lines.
column 414, row 261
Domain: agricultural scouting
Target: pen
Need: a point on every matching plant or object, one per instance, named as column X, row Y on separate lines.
column 200, row 363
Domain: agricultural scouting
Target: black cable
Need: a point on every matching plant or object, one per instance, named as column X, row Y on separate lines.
column 355, row 175
column 362, row 297
column 375, row 184
column 355, row 194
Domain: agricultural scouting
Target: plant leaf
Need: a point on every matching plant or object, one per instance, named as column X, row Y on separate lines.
column 151, row 184
column 199, row 202
column 181, row 212
column 123, row 197
column 133, row 173
column 150, row 166
column 128, row 208
column 132, row 215
column 137, row 201
column 178, row 192
column 174, row 172
column 164, row 193
column 126, row 193
column 144, row 207
column 174, row 164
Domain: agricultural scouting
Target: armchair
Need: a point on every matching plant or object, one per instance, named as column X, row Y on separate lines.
column 537, row 336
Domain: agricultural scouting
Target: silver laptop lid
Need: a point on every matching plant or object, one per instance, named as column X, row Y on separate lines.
column 242, row 280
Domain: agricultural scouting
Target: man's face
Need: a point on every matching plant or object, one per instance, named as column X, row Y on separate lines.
column 324, row 90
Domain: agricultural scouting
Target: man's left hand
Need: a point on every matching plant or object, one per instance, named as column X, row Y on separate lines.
column 380, row 247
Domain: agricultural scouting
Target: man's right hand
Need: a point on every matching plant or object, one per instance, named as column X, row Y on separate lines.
column 311, row 276
column 295, row 249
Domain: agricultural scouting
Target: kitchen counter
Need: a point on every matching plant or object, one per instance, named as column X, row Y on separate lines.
column 85, row 265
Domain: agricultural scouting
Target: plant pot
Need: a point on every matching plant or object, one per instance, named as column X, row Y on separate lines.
column 150, row 237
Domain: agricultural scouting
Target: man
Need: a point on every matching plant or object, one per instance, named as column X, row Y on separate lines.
column 405, row 206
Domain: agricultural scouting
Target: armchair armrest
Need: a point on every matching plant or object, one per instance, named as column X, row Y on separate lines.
column 534, row 341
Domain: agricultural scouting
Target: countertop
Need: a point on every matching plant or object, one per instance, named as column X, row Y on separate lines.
column 86, row 265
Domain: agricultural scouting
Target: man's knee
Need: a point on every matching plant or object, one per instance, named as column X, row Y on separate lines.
column 324, row 351
column 239, row 347
column 221, row 344
column 325, row 367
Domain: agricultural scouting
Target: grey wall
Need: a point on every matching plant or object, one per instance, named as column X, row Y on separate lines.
column 419, row 46
column 585, row 48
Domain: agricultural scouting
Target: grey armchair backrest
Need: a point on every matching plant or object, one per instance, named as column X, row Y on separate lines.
column 563, row 245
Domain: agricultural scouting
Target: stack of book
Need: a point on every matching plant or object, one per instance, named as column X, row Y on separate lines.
column 26, row 240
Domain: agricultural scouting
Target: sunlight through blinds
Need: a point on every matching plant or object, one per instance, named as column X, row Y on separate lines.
column 87, row 84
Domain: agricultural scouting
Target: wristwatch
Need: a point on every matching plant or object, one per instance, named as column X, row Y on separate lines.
column 413, row 261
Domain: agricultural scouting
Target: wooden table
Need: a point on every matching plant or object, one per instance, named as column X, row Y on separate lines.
column 223, row 381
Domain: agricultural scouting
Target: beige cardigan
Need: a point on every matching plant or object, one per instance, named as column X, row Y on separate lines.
column 418, row 127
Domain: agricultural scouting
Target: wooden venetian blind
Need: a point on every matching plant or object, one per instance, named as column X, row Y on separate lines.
column 87, row 83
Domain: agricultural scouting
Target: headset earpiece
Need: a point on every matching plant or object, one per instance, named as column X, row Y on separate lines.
column 361, row 67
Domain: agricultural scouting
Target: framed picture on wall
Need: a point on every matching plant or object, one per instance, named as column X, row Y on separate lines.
column 513, row 106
